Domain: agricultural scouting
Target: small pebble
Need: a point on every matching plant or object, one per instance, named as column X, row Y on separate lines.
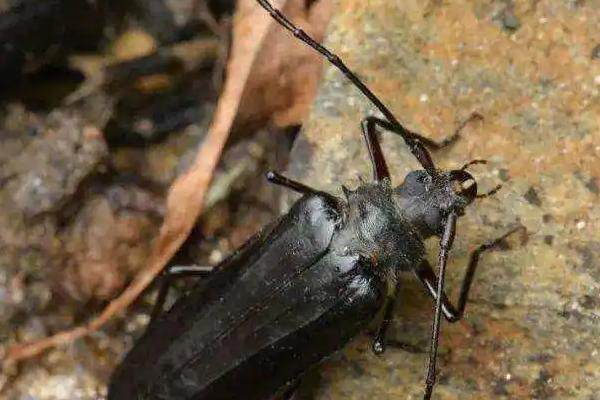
column 532, row 197
column 510, row 21
column 596, row 52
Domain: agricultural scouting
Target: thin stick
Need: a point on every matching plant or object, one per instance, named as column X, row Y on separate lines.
column 186, row 195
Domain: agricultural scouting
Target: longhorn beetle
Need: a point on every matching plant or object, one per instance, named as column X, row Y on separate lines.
column 300, row 289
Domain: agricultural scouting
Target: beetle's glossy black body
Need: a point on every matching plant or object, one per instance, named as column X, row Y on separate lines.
column 303, row 287
column 292, row 296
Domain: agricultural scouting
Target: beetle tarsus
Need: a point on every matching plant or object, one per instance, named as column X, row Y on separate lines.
column 428, row 392
column 473, row 162
column 426, row 275
column 378, row 347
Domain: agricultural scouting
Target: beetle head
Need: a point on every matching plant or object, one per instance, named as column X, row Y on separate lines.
column 426, row 199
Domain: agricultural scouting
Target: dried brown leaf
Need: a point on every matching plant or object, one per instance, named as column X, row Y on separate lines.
column 186, row 195
column 286, row 73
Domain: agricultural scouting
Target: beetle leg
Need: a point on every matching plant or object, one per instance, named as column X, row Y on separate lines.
column 174, row 272
column 369, row 123
column 296, row 186
column 380, row 168
column 427, row 276
column 289, row 393
column 304, row 387
column 441, row 301
column 435, row 145
column 379, row 343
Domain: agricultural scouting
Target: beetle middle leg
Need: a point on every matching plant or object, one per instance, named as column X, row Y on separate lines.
column 378, row 346
column 171, row 273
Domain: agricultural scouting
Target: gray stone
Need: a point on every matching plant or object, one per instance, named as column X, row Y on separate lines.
column 532, row 327
column 49, row 171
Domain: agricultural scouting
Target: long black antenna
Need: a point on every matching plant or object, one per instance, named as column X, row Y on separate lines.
column 410, row 138
column 333, row 58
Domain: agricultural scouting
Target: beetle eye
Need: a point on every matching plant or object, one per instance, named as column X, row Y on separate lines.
column 464, row 184
column 415, row 183
column 419, row 177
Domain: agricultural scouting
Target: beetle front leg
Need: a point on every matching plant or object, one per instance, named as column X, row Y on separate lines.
column 409, row 137
column 427, row 276
column 435, row 145
column 380, row 169
column 430, row 143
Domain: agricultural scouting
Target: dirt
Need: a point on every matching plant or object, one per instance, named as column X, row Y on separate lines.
column 530, row 329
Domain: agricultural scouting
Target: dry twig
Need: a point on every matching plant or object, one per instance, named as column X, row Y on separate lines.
column 186, row 195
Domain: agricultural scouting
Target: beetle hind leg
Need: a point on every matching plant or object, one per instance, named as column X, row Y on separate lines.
column 171, row 273
column 281, row 180
column 289, row 394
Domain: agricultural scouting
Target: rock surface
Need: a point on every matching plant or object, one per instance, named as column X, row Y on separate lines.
column 532, row 327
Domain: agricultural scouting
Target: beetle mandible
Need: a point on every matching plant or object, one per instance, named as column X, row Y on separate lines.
column 303, row 287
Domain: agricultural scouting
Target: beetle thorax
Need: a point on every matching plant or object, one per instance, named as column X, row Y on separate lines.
column 375, row 229
column 425, row 201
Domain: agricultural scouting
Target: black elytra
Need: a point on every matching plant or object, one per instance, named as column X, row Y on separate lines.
column 304, row 286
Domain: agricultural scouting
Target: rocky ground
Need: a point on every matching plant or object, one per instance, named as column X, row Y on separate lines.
column 101, row 107
column 83, row 178
column 531, row 68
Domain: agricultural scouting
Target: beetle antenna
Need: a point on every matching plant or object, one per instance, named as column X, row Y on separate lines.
column 473, row 162
column 333, row 58
column 490, row 193
column 416, row 147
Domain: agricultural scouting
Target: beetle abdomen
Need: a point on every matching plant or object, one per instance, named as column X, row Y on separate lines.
column 311, row 318
column 261, row 303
